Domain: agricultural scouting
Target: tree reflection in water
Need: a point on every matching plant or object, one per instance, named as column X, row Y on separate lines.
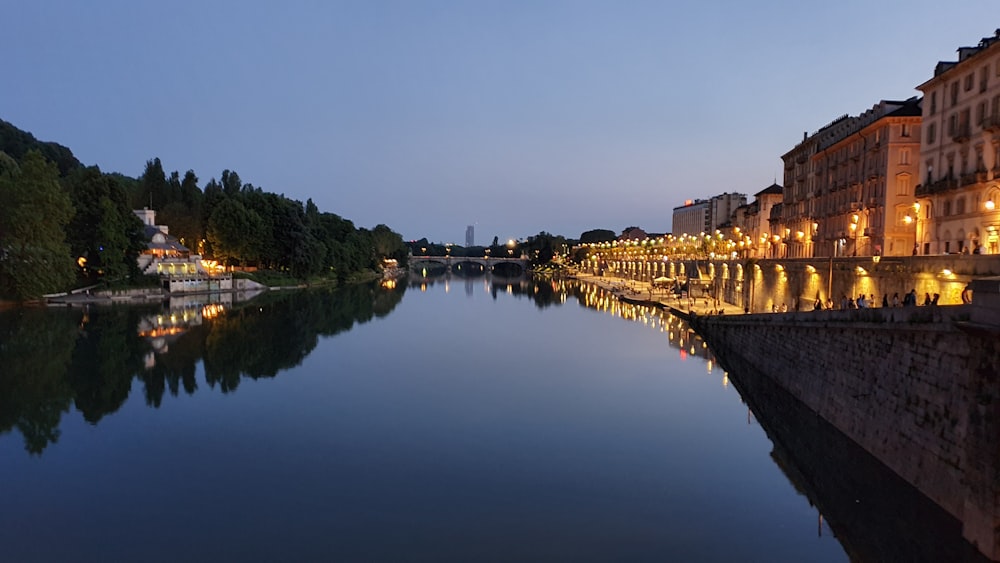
column 89, row 358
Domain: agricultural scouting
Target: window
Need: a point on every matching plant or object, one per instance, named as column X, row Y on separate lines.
column 968, row 82
column 931, row 133
column 934, row 95
column 946, row 209
column 980, row 112
column 904, row 130
column 954, row 93
column 904, row 156
column 952, row 124
column 960, row 206
column 903, row 185
column 984, row 75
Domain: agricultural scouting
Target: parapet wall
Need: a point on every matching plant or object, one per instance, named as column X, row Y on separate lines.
column 915, row 386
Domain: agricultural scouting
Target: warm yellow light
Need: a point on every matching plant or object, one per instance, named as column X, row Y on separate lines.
column 854, row 226
column 799, row 234
column 810, row 269
column 946, row 272
column 854, row 218
column 989, row 205
column 907, row 219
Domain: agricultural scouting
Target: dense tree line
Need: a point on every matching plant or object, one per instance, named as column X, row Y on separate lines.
column 64, row 225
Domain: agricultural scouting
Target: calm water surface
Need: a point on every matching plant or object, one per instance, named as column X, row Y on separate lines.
column 455, row 420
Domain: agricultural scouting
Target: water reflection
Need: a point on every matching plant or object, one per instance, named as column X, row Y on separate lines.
column 874, row 513
column 89, row 358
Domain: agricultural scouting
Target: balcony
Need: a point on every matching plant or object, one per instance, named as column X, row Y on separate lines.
column 962, row 133
column 936, row 187
column 991, row 123
column 967, row 179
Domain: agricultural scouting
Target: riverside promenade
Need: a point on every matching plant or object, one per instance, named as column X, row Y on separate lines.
column 641, row 292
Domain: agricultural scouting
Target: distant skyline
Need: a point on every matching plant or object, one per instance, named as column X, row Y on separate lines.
column 430, row 116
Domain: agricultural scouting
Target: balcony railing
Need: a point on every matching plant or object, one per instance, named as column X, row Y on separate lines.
column 991, row 122
column 938, row 186
column 967, row 179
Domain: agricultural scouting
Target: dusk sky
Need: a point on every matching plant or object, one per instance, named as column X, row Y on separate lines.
column 428, row 116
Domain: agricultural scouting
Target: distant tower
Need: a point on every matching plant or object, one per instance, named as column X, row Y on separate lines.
column 470, row 235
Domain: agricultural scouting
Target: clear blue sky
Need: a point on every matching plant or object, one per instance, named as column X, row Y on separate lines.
column 432, row 115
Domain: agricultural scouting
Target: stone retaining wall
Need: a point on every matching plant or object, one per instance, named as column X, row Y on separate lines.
column 917, row 387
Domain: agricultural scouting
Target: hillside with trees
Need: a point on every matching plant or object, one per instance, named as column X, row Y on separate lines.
column 65, row 225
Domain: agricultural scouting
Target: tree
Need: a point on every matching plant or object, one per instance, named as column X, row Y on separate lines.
column 231, row 183
column 233, row 231
column 388, row 244
column 152, row 186
column 103, row 230
column 34, row 257
column 597, row 235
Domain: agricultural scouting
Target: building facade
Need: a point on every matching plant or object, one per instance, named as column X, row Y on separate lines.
column 849, row 187
column 470, row 236
column 705, row 216
column 959, row 189
column 722, row 208
column 692, row 218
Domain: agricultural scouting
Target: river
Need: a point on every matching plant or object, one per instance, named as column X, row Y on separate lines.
column 446, row 419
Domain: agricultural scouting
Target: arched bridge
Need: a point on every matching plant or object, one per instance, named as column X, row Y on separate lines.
column 450, row 261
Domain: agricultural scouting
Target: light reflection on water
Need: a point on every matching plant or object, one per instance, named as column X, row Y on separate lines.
column 505, row 420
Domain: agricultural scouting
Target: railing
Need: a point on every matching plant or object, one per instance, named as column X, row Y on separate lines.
column 991, row 122
column 961, row 133
column 939, row 186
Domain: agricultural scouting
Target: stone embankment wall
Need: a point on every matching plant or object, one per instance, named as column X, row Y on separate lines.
column 918, row 387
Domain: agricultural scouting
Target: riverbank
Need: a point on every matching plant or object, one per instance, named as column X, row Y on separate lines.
column 641, row 292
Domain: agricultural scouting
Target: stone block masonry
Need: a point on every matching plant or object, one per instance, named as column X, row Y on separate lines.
column 917, row 387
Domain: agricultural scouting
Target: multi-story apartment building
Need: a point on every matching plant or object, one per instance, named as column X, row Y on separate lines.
column 959, row 195
column 692, row 218
column 849, row 187
column 705, row 216
column 722, row 208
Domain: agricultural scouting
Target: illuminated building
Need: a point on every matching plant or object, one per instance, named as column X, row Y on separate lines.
column 959, row 193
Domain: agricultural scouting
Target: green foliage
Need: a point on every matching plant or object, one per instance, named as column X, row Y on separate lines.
column 597, row 235
column 103, row 230
column 34, row 257
column 230, row 220
column 18, row 144
column 542, row 247
column 234, row 232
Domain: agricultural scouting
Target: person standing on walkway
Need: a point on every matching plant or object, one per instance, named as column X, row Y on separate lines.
column 885, row 299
